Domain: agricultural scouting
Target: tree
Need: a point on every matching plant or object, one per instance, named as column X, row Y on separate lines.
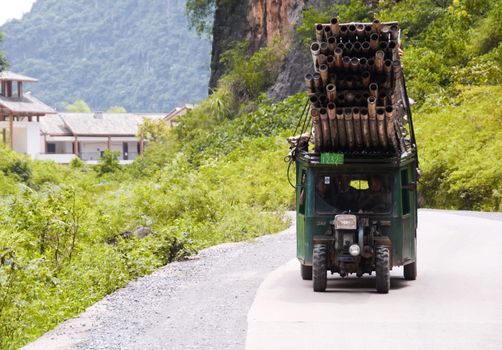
column 79, row 106
column 3, row 60
column 109, row 162
column 116, row 109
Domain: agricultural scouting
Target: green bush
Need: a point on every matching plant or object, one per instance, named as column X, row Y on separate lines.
column 461, row 151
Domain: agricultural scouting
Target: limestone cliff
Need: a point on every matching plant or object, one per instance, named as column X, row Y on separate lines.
column 260, row 21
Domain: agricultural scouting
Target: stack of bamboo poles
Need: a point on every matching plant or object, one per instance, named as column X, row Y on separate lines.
column 355, row 92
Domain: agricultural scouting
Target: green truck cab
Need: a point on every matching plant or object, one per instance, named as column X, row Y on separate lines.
column 356, row 217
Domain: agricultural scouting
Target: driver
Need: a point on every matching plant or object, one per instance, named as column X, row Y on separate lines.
column 377, row 198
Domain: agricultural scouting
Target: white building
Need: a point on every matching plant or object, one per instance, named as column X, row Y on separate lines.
column 31, row 127
column 88, row 135
column 20, row 114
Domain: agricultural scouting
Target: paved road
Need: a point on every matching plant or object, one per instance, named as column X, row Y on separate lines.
column 249, row 295
column 455, row 303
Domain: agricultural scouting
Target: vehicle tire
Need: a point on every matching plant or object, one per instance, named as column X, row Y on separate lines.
column 410, row 271
column 306, row 272
column 382, row 270
column 320, row 267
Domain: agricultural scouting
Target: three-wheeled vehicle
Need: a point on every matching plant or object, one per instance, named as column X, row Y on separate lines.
column 356, row 217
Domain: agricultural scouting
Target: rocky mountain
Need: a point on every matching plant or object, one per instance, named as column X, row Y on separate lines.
column 260, row 21
column 134, row 53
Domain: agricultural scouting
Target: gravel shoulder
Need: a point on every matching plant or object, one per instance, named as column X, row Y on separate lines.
column 200, row 303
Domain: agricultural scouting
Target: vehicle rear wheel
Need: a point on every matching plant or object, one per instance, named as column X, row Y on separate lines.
column 306, row 272
column 320, row 267
column 410, row 271
column 382, row 270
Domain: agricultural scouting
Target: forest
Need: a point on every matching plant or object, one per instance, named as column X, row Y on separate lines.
column 69, row 234
column 110, row 53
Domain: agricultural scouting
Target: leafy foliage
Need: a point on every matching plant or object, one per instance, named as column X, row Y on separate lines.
column 108, row 162
column 461, row 146
column 3, row 60
column 79, row 106
column 69, row 232
column 142, row 56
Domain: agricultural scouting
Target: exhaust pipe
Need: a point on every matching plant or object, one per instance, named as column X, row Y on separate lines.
column 379, row 57
column 340, row 100
column 382, row 135
column 354, row 64
column 316, row 124
column 315, row 50
column 365, row 129
column 373, row 121
column 335, row 26
column 341, row 127
column 331, row 92
column 349, row 127
column 333, row 129
column 357, row 127
column 326, row 138
column 348, row 49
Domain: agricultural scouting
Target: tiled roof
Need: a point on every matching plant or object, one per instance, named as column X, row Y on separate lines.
column 7, row 75
column 27, row 104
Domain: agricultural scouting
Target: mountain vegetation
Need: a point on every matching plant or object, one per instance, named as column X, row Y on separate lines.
column 71, row 234
column 142, row 56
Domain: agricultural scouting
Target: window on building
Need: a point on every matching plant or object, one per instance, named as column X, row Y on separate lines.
column 51, row 148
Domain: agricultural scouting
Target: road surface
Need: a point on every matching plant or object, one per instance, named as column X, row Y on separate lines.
column 455, row 303
column 250, row 296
